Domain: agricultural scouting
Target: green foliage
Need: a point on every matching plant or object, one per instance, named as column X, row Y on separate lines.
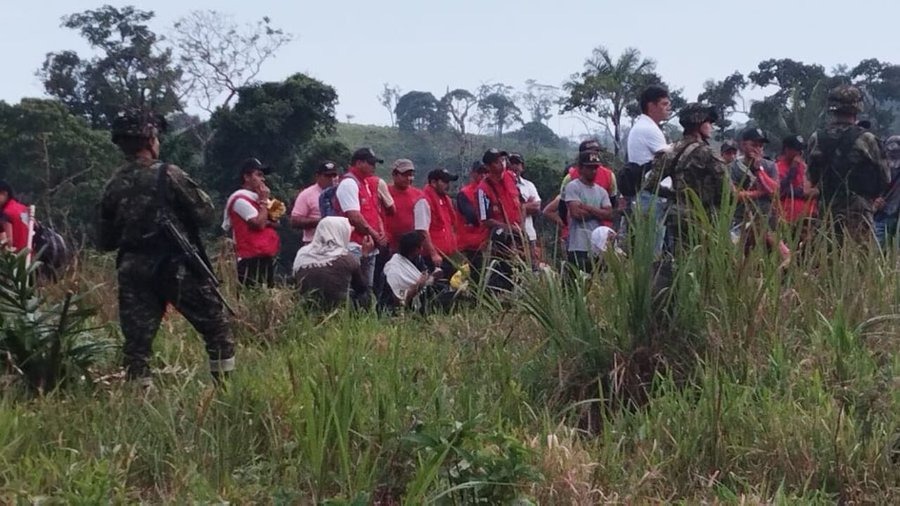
column 270, row 121
column 723, row 96
column 497, row 108
column 130, row 71
column 54, row 160
column 46, row 343
column 418, row 111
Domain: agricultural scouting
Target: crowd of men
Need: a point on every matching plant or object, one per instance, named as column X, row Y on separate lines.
column 375, row 236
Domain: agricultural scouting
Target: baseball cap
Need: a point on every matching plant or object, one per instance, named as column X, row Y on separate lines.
column 402, row 165
column 794, row 142
column 253, row 164
column 491, row 155
column 516, row 158
column 727, row 146
column 327, row 167
column 754, row 134
column 366, row 154
column 478, row 166
column 443, row 175
column 589, row 158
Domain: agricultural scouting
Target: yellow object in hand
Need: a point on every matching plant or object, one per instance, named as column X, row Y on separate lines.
column 276, row 209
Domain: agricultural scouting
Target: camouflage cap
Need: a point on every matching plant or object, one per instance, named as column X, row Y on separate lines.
column 892, row 145
column 139, row 123
column 697, row 113
column 845, row 99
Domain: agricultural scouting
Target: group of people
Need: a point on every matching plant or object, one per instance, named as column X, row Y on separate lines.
column 363, row 236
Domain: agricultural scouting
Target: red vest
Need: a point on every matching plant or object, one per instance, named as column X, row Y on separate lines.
column 368, row 205
column 18, row 216
column 442, row 217
column 403, row 219
column 250, row 242
column 469, row 237
column 505, row 204
column 603, row 178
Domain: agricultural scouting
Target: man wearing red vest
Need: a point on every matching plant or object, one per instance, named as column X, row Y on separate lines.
column 500, row 204
column 439, row 221
column 471, row 236
column 256, row 242
column 408, row 200
column 18, row 216
column 358, row 202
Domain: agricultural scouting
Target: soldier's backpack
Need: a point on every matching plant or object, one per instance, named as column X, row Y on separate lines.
column 843, row 169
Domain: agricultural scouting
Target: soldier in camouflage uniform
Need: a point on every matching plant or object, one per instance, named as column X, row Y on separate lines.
column 846, row 165
column 693, row 166
column 151, row 271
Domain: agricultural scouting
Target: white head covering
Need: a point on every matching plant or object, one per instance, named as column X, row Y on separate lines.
column 600, row 239
column 328, row 244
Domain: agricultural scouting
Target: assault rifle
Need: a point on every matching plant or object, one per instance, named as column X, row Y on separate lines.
column 194, row 256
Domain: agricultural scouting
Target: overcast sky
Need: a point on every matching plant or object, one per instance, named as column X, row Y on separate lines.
column 431, row 45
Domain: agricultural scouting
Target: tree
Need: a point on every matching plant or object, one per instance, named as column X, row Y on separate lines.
column 606, row 87
column 272, row 121
column 388, row 98
column 723, row 96
column 459, row 104
column 130, row 71
column 539, row 100
column 420, row 111
column 497, row 108
column 880, row 81
column 799, row 102
column 219, row 57
column 53, row 159
column 536, row 135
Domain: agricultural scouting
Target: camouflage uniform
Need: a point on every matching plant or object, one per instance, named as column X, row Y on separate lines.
column 693, row 165
column 150, row 272
column 846, row 164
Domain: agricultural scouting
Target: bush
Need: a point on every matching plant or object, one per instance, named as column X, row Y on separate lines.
column 46, row 343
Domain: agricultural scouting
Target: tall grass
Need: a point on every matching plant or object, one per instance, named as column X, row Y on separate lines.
column 747, row 382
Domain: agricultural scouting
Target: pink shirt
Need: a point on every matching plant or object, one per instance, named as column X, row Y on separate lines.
column 307, row 206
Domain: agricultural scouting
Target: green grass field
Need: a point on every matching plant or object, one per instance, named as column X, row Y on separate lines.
column 741, row 384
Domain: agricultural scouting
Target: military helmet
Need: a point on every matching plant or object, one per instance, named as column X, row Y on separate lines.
column 696, row 113
column 845, row 99
column 139, row 123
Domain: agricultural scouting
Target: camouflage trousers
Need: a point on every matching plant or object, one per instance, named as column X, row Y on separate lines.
column 146, row 285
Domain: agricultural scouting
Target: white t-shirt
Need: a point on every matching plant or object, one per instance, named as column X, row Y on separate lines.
column 347, row 194
column 528, row 190
column 645, row 140
column 422, row 214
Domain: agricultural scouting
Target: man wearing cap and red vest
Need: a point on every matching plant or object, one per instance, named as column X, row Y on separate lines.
column 470, row 235
column 358, row 202
column 406, row 198
column 499, row 200
column 256, row 242
column 439, row 221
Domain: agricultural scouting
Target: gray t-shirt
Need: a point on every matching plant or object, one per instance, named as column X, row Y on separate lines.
column 580, row 230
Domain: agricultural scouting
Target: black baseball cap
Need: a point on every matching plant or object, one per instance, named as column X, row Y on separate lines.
column 366, row 154
column 754, row 134
column 589, row 158
column 479, row 166
column 794, row 142
column 516, row 158
column 443, row 175
column 327, row 167
column 492, row 155
column 253, row 164
column 727, row 146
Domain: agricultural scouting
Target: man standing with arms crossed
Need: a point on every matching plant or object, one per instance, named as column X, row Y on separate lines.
column 359, row 204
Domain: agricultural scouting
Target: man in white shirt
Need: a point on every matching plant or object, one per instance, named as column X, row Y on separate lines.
column 532, row 202
column 357, row 196
column 645, row 141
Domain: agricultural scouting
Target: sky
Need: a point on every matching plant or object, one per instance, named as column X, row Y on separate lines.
column 433, row 45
